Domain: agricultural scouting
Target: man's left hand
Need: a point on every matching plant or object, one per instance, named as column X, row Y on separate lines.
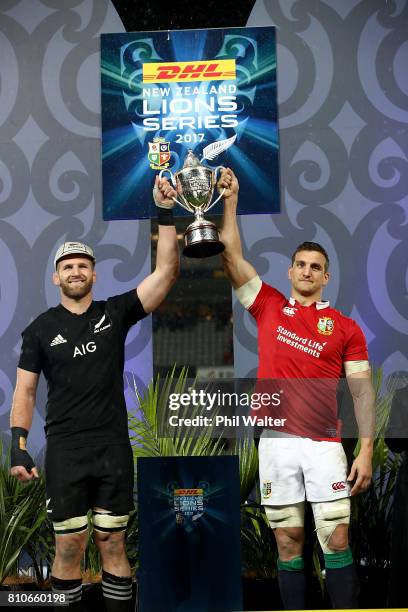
column 228, row 182
column 361, row 472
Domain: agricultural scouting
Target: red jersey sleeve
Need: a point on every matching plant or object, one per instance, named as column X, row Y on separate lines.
column 356, row 346
column 267, row 296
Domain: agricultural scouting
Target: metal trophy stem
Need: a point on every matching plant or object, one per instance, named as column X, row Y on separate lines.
column 195, row 186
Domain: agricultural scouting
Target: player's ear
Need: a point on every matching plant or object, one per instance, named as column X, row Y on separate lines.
column 326, row 278
column 290, row 272
column 56, row 279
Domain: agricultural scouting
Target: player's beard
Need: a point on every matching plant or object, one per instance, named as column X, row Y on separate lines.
column 76, row 291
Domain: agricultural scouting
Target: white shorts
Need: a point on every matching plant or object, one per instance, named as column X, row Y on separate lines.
column 292, row 468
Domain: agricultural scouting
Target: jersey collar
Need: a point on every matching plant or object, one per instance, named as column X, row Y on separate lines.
column 319, row 305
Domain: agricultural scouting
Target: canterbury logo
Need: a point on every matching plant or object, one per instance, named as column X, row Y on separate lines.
column 213, row 70
column 58, row 340
column 338, row 486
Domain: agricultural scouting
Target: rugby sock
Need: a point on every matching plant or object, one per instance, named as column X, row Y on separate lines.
column 292, row 583
column 72, row 590
column 341, row 579
column 117, row 592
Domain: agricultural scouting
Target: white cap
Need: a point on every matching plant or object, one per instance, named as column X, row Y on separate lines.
column 73, row 248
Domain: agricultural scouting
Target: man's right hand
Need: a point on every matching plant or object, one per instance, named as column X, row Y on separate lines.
column 22, row 466
column 229, row 182
column 20, row 472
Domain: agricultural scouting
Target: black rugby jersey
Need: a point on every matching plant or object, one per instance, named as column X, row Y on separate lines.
column 82, row 358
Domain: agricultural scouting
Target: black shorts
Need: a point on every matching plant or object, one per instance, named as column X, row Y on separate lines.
column 79, row 479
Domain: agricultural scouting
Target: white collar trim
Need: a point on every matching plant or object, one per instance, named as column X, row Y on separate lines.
column 319, row 305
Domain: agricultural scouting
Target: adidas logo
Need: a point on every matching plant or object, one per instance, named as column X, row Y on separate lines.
column 58, row 340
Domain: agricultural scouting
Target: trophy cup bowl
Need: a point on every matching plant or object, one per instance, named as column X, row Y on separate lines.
column 195, row 186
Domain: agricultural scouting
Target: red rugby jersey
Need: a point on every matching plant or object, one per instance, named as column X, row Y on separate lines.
column 308, row 345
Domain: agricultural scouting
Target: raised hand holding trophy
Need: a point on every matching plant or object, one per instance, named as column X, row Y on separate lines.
column 195, row 184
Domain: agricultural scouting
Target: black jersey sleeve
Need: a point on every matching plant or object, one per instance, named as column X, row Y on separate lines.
column 396, row 435
column 31, row 356
column 127, row 307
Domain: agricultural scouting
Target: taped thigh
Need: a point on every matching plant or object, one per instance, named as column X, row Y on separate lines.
column 292, row 515
column 327, row 516
column 76, row 524
column 109, row 522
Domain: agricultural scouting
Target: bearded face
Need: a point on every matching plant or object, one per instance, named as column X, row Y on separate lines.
column 75, row 277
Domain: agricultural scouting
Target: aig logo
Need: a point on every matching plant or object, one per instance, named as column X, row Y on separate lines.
column 83, row 349
column 213, row 70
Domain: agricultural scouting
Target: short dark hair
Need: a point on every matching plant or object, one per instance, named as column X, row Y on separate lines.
column 312, row 246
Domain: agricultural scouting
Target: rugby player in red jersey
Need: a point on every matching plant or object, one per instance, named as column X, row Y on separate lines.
column 310, row 345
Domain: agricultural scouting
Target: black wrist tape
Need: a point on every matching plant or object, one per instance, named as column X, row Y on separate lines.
column 19, row 454
column 165, row 216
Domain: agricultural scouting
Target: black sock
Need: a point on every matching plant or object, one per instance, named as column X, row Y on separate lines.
column 72, row 590
column 117, row 592
column 342, row 586
column 292, row 584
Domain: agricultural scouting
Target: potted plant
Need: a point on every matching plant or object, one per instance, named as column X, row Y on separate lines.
column 23, row 526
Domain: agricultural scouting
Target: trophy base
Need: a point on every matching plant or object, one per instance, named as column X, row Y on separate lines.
column 201, row 240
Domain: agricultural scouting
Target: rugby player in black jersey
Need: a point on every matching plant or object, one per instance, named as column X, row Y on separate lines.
column 79, row 346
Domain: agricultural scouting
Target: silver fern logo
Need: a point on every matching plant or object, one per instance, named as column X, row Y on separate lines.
column 212, row 150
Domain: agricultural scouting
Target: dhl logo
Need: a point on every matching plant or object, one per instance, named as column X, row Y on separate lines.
column 212, row 70
column 178, row 492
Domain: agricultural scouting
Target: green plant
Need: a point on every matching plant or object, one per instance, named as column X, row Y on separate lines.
column 23, row 520
column 259, row 552
column 150, row 433
column 372, row 510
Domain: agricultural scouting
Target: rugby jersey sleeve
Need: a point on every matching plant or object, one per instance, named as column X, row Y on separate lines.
column 355, row 348
column 267, row 296
column 127, row 307
column 31, row 356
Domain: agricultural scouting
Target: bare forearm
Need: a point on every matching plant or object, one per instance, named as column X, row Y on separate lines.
column 154, row 288
column 363, row 395
column 22, row 409
column 168, row 256
column 238, row 270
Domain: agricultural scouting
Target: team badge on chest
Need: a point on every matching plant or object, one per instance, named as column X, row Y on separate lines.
column 325, row 326
column 101, row 324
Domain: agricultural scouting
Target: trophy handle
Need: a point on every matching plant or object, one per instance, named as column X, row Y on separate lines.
column 173, row 182
column 223, row 190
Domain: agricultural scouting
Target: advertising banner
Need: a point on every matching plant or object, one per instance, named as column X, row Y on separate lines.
column 167, row 92
column 189, row 534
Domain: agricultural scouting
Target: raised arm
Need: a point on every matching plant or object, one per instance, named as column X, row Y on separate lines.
column 22, row 465
column 154, row 288
column 363, row 395
column 238, row 270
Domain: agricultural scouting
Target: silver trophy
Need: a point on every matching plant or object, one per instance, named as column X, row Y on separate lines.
column 195, row 186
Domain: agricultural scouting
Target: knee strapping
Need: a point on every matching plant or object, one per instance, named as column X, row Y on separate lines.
column 76, row 524
column 286, row 516
column 109, row 521
column 327, row 516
